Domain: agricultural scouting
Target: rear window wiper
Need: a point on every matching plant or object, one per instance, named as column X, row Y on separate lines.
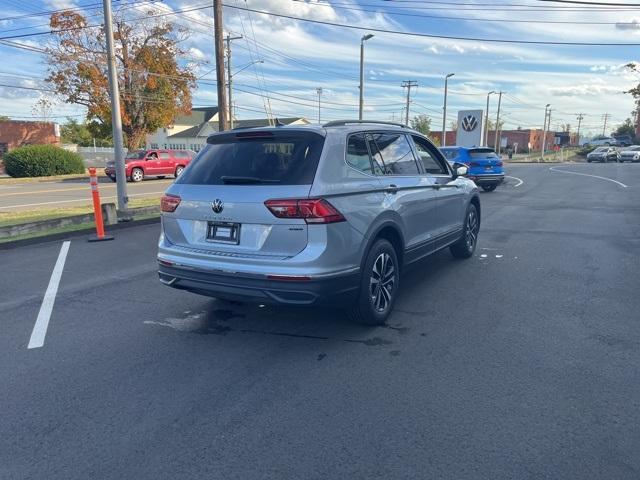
column 246, row 180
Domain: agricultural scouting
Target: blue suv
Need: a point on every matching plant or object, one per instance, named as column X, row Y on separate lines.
column 485, row 167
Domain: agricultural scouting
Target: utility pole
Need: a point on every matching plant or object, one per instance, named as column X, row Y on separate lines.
column 496, row 146
column 544, row 130
column 486, row 120
column 361, row 104
column 219, row 47
column 444, row 111
column 408, row 84
column 319, row 92
column 116, row 119
column 580, row 117
column 228, row 39
column 604, row 127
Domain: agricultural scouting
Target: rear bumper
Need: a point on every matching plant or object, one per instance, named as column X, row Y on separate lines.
column 334, row 290
column 485, row 179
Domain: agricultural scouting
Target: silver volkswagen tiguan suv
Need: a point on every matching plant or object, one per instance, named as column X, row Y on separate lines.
column 314, row 215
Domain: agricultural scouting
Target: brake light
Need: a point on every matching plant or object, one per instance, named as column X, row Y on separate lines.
column 499, row 163
column 311, row 210
column 169, row 203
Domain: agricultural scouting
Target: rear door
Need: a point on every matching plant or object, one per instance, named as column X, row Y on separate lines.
column 165, row 162
column 408, row 192
column 224, row 192
column 450, row 195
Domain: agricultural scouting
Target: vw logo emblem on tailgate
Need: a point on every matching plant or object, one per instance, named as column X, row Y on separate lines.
column 217, row 206
column 469, row 123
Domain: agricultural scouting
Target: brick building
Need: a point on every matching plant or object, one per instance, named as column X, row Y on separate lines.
column 525, row 139
column 15, row 133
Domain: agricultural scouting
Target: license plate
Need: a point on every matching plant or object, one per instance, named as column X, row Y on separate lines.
column 223, row 232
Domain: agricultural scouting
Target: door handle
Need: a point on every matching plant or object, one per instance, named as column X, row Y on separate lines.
column 393, row 189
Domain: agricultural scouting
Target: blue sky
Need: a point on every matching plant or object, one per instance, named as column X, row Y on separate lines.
column 300, row 57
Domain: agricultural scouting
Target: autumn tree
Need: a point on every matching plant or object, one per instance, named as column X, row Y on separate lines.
column 154, row 86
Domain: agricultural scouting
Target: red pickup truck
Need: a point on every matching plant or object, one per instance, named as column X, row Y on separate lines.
column 152, row 163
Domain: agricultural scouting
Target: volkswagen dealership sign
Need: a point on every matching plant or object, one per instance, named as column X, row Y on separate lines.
column 469, row 128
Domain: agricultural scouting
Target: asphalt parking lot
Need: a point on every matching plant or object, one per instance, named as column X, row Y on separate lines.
column 522, row 362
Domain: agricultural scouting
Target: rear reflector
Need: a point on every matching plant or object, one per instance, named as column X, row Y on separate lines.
column 288, row 278
column 166, row 263
column 169, row 203
column 311, row 210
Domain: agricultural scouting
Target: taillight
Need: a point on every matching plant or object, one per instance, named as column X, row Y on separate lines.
column 169, row 203
column 311, row 210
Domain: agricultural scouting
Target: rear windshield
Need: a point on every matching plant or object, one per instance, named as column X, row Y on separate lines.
column 601, row 149
column 262, row 157
column 449, row 153
column 482, row 153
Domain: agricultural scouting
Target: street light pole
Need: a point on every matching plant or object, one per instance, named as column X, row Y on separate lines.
column 544, row 131
column 228, row 40
column 486, row 120
column 319, row 92
column 444, row 111
column 496, row 146
column 116, row 119
column 362, row 40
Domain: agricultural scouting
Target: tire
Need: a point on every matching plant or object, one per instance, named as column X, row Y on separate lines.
column 466, row 245
column 179, row 170
column 489, row 188
column 137, row 175
column 374, row 304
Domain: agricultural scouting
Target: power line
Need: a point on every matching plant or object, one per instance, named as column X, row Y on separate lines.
column 427, row 35
column 474, row 19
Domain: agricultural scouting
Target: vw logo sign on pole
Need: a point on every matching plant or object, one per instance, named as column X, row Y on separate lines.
column 469, row 132
column 469, row 123
column 217, row 206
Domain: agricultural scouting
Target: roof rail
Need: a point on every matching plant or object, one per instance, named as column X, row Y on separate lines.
column 340, row 123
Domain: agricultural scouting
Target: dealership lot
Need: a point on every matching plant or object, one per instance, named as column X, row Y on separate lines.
column 519, row 363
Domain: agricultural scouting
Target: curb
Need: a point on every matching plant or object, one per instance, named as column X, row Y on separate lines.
column 78, row 233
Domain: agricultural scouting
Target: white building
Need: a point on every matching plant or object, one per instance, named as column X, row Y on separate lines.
column 191, row 131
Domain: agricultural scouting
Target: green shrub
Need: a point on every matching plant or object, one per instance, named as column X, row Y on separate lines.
column 42, row 161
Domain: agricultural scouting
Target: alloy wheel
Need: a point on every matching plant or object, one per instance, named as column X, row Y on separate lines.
column 382, row 282
column 471, row 233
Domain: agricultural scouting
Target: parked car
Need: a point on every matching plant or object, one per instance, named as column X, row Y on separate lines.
column 140, row 164
column 604, row 154
column 485, row 166
column 631, row 154
column 602, row 141
column 623, row 140
column 314, row 215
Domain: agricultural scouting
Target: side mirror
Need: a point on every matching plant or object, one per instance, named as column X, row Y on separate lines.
column 459, row 169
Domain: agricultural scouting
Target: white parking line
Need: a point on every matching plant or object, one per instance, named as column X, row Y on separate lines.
column 515, row 178
column 555, row 169
column 40, row 328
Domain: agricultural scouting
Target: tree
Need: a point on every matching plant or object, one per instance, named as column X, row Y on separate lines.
column 421, row 123
column 565, row 127
column 492, row 126
column 4, row 118
column 154, row 87
column 453, row 126
column 42, row 108
column 626, row 128
column 84, row 134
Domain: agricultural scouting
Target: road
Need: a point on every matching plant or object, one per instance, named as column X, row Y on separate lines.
column 70, row 193
column 521, row 362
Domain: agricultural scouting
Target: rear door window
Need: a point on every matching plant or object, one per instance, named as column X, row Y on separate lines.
column 261, row 157
column 358, row 153
column 394, row 152
column 431, row 162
